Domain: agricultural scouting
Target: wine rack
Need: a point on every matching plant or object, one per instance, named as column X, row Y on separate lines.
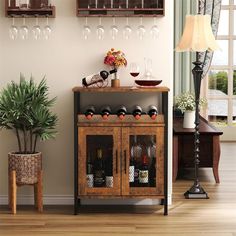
column 120, row 8
column 105, row 149
column 37, row 8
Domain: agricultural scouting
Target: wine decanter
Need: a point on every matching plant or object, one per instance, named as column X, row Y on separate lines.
column 148, row 69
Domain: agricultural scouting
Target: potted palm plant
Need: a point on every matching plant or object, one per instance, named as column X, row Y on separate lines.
column 25, row 109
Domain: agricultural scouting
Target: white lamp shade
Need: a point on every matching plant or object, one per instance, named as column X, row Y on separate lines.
column 197, row 35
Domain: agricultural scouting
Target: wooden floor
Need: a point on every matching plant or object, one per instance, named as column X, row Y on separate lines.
column 213, row 217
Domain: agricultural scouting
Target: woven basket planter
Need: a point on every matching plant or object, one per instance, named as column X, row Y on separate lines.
column 27, row 167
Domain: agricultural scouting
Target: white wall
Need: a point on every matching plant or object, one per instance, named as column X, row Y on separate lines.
column 65, row 59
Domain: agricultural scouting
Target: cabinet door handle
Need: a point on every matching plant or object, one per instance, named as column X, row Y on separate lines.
column 125, row 156
column 116, row 162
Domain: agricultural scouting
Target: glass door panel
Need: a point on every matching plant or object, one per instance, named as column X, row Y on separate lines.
column 99, row 165
column 143, row 160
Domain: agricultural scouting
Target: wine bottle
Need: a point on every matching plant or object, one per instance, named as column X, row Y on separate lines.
column 137, row 112
column 90, row 110
column 99, row 170
column 90, row 177
column 121, row 112
column 143, row 172
column 109, row 175
column 152, row 176
column 131, row 171
column 96, row 78
column 152, row 112
column 105, row 112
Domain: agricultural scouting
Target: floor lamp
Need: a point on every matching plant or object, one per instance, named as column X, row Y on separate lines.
column 197, row 37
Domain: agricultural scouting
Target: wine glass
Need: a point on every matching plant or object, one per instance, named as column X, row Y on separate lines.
column 13, row 31
column 47, row 29
column 141, row 29
column 154, row 30
column 134, row 69
column 36, row 29
column 127, row 31
column 24, row 30
column 114, row 29
column 100, row 30
column 86, row 29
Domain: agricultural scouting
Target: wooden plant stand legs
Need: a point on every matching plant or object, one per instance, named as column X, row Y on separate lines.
column 38, row 196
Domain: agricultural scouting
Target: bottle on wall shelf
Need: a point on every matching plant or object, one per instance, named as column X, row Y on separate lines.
column 121, row 112
column 137, row 112
column 96, row 78
column 90, row 111
column 152, row 112
column 144, row 172
column 99, row 170
column 105, row 112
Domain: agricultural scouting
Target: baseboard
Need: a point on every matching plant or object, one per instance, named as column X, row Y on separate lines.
column 69, row 200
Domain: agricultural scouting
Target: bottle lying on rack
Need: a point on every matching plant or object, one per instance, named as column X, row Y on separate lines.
column 99, row 170
column 96, row 78
column 121, row 112
column 137, row 112
column 90, row 111
column 152, row 112
column 105, row 112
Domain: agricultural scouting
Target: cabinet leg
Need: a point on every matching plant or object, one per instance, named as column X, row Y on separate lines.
column 216, row 158
column 76, row 205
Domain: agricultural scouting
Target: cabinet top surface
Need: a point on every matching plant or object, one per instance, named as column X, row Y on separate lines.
column 121, row 89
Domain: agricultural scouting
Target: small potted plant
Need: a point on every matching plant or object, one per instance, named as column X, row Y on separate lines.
column 25, row 109
column 115, row 59
column 185, row 102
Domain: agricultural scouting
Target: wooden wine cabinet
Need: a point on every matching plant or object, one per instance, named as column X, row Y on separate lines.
column 116, row 137
column 121, row 8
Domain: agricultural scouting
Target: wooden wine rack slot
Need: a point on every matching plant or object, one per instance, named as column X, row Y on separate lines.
column 114, row 120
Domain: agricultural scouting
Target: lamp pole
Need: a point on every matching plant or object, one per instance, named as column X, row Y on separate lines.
column 196, row 191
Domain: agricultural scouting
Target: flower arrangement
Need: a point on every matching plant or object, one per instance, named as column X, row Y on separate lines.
column 186, row 102
column 115, row 58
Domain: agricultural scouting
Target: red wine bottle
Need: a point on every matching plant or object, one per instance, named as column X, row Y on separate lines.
column 143, row 173
column 105, row 112
column 152, row 112
column 96, row 78
column 89, row 112
column 137, row 112
column 99, row 170
column 121, row 112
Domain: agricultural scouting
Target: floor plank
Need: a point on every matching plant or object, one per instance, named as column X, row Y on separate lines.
column 213, row 217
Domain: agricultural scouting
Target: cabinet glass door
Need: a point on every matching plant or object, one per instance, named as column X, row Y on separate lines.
column 143, row 161
column 98, row 161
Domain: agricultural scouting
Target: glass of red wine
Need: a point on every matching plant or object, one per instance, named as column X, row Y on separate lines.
column 134, row 69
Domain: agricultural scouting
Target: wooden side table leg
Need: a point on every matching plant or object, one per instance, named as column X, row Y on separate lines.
column 36, row 195
column 9, row 190
column 12, row 191
column 39, row 197
column 175, row 158
column 216, row 157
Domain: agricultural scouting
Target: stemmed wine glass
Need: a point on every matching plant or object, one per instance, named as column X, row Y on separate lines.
column 36, row 29
column 47, row 29
column 134, row 69
column 13, row 31
column 154, row 30
column 86, row 29
column 100, row 30
column 114, row 29
column 24, row 30
column 141, row 29
column 127, row 31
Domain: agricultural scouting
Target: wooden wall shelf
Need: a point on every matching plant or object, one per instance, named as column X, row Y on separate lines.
column 104, row 8
column 31, row 12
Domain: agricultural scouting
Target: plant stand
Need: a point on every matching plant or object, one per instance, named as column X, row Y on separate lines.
column 38, row 199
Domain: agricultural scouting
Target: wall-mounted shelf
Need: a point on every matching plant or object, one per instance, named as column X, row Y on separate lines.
column 16, row 11
column 120, row 8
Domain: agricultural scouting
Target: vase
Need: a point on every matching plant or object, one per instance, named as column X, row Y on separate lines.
column 189, row 119
column 115, row 82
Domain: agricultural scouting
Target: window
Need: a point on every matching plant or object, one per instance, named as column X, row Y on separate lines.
column 221, row 83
